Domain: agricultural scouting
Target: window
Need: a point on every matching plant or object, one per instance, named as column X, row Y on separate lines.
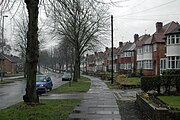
column 177, row 39
column 139, row 65
column 168, row 40
column 147, row 64
column 122, row 66
column 174, row 62
column 139, row 50
column 155, row 47
column 128, row 66
column 147, row 48
column 172, row 39
column 162, row 65
column 178, row 62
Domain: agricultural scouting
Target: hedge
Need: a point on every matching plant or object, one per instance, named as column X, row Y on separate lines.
column 150, row 83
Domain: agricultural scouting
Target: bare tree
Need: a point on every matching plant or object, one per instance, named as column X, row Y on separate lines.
column 32, row 51
column 81, row 22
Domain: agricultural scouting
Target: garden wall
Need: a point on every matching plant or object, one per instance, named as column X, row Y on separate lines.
column 154, row 113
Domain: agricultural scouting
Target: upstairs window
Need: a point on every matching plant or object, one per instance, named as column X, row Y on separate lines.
column 172, row 39
column 177, row 39
column 139, row 51
column 155, row 47
column 147, row 48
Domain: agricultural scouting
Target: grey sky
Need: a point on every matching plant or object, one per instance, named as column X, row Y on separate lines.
column 130, row 17
column 140, row 16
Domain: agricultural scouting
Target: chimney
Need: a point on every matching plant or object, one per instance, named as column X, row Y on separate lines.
column 120, row 44
column 95, row 53
column 159, row 26
column 136, row 37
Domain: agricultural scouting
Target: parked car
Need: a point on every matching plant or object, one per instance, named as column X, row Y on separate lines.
column 66, row 76
column 43, row 83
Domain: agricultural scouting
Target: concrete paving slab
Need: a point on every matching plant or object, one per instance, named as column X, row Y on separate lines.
column 98, row 104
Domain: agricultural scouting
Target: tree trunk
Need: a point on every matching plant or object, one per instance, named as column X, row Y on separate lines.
column 32, row 52
column 76, row 66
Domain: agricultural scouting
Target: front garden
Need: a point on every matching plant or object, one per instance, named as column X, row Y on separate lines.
column 160, row 98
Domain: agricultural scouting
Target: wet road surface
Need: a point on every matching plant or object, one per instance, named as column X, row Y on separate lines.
column 12, row 93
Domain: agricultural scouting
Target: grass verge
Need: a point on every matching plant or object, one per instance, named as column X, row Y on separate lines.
column 112, row 86
column 82, row 85
column 173, row 102
column 46, row 110
column 6, row 81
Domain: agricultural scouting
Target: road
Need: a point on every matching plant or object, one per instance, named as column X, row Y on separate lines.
column 13, row 92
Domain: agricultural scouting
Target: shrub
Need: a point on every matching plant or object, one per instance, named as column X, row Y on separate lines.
column 150, row 83
column 171, row 78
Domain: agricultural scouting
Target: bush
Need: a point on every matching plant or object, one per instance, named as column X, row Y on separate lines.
column 150, row 83
column 171, row 78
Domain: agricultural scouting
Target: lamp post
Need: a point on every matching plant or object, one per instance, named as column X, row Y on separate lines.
column 3, row 43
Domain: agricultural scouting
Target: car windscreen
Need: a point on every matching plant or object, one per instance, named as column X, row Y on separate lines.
column 67, row 74
column 40, row 78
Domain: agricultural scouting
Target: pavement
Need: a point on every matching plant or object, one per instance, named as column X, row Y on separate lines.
column 98, row 103
column 12, row 78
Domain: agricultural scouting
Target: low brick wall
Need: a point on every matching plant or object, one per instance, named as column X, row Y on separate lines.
column 154, row 113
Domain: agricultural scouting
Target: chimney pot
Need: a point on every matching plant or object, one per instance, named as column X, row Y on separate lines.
column 159, row 26
column 136, row 37
column 120, row 44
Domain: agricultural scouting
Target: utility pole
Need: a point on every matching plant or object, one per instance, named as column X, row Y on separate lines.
column 112, row 50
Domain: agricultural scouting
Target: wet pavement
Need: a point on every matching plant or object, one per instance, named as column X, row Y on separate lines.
column 98, row 104
column 62, row 96
column 127, row 105
column 102, row 103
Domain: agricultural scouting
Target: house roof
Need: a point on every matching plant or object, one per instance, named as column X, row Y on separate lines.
column 13, row 59
column 91, row 58
column 142, row 39
column 125, row 47
column 159, row 37
column 132, row 47
column 175, row 31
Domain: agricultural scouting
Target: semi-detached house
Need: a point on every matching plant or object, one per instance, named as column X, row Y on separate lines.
column 150, row 54
column 152, row 49
column 171, row 60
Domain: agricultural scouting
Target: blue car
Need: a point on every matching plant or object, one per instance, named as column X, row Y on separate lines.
column 43, row 83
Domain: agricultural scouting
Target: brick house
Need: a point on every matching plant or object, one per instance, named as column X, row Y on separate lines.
column 140, row 55
column 171, row 60
column 108, row 59
column 152, row 49
column 99, row 61
column 125, row 57
column 10, row 64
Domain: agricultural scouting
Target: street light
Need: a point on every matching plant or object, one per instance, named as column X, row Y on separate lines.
column 3, row 43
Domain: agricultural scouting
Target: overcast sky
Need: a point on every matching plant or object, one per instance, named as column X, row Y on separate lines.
column 140, row 16
column 130, row 17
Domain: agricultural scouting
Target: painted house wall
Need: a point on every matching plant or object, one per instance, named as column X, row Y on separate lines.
column 173, row 50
